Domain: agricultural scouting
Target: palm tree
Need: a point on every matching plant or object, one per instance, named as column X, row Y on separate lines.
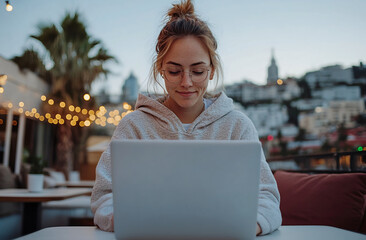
column 76, row 60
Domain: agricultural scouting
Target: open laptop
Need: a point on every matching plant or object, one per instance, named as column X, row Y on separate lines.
column 185, row 189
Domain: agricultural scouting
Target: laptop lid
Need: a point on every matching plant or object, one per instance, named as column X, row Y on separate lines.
column 190, row 189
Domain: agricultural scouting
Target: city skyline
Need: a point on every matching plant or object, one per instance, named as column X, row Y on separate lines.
column 305, row 36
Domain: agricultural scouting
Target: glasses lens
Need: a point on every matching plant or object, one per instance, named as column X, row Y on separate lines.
column 199, row 74
column 176, row 74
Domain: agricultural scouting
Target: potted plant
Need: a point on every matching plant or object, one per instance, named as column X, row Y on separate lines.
column 35, row 175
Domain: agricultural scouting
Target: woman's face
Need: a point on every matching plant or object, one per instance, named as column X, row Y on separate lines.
column 186, row 59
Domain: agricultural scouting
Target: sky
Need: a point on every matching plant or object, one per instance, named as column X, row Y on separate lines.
column 305, row 35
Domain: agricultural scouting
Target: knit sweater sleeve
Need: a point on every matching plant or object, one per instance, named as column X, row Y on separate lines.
column 102, row 196
column 268, row 215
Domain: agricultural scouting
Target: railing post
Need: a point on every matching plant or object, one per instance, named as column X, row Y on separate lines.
column 353, row 163
column 336, row 156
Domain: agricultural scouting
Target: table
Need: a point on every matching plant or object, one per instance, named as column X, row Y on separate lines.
column 32, row 202
column 283, row 233
column 77, row 184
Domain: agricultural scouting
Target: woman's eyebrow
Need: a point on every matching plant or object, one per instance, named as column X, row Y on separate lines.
column 193, row 64
column 174, row 63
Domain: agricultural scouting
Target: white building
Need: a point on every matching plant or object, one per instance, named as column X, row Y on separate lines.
column 329, row 76
column 267, row 118
column 21, row 93
column 307, row 104
column 333, row 114
column 338, row 93
column 343, row 111
column 291, row 89
column 274, row 92
column 289, row 130
column 234, row 90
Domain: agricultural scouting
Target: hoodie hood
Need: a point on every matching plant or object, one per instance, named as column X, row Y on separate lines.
column 220, row 107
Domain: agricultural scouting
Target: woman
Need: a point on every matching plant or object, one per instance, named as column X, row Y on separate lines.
column 186, row 60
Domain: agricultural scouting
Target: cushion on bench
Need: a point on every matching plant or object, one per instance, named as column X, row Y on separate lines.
column 7, row 180
column 323, row 199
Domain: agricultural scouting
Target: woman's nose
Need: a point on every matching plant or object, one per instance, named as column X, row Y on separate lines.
column 186, row 79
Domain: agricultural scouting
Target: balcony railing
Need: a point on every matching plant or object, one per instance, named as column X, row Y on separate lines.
column 337, row 162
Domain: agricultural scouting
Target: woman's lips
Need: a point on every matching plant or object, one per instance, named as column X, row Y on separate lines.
column 185, row 94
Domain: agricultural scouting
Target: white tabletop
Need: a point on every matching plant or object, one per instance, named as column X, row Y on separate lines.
column 284, row 233
column 48, row 194
column 77, row 184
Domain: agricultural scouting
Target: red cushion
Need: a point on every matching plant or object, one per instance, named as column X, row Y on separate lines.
column 323, row 199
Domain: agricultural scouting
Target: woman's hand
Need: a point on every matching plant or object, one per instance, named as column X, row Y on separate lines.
column 259, row 230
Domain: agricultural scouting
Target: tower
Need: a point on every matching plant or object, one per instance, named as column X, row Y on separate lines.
column 130, row 89
column 272, row 71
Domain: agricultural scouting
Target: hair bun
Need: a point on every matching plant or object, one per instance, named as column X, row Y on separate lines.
column 181, row 10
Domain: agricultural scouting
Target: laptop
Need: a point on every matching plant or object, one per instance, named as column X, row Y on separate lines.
column 185, row 189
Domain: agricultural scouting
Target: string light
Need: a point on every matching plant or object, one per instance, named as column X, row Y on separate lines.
column 8, row 7
column 86, row 97
column 87, row 123
column 98, row 117
column 3, row 78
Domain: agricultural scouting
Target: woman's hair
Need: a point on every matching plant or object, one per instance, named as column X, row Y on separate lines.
column 182, row 22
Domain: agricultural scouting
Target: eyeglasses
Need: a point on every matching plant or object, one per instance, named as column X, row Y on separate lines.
column 175, row 74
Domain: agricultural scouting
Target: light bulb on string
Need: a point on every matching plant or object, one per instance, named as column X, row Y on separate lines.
column 86, row 97
column 8, row 6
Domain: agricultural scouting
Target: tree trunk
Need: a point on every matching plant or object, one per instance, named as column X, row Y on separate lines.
column 80, row 137
column 64, row 149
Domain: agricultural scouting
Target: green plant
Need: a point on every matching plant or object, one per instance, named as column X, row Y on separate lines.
column 37, row 165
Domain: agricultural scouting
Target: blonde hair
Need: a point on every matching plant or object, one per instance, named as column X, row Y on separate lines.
column 182, row 22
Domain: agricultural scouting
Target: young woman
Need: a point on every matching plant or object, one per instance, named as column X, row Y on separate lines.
column 186, row 61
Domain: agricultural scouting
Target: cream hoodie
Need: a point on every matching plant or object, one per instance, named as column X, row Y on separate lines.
column 152, row 120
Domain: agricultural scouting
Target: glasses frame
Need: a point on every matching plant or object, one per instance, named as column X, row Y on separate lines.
column 182, row 75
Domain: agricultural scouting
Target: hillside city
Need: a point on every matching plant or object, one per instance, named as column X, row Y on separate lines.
column 322, row 111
